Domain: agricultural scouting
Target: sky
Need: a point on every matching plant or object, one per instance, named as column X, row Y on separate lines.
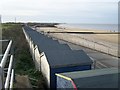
column 60, row 11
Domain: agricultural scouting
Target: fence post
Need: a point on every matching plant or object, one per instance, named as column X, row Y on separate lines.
column 11, row 79
column 2, row 64
column 3, row 61
column 8, row 73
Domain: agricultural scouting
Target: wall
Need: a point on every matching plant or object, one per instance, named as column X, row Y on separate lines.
column 45, row 68
column 37, row 57
column 87, row 43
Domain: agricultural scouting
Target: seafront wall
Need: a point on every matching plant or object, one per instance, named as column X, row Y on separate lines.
column 111, row 50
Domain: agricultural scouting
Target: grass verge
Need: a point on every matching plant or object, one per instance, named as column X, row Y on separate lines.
column 23, row 64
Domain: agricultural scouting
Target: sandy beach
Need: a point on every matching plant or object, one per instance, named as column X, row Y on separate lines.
column 107, row 43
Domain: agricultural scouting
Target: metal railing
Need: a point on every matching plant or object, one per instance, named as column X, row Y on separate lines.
column 7, row 82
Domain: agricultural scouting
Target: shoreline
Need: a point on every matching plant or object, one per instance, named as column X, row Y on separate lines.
column 76, row 30
column 94, row 27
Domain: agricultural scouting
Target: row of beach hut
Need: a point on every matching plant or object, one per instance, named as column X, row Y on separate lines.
column 57, row 62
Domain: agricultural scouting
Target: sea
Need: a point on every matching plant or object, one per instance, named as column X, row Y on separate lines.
column 108, row 27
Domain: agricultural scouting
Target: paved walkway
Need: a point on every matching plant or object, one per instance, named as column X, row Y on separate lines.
column 101, row 60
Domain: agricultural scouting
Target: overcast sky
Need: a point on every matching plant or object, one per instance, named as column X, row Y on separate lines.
column 64, row 11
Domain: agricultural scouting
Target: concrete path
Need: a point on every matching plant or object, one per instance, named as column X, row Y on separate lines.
column 101, row 60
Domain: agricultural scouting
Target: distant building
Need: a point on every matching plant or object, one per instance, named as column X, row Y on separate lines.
column 99, row 78
column 51, row 57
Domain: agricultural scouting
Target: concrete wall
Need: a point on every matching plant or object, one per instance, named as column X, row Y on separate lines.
column 45, row 68
column 37, row 57
column 32, row 48
column 87, row 43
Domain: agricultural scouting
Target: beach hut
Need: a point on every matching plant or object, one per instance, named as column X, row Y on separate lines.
column 99, row 78
column 53, row 57
column 64, row 61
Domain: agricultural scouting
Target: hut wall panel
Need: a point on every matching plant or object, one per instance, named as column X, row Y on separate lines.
column 45, row 69
column 37, row 58
column 31, row 46
column 34, row 51
column 63, row 83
